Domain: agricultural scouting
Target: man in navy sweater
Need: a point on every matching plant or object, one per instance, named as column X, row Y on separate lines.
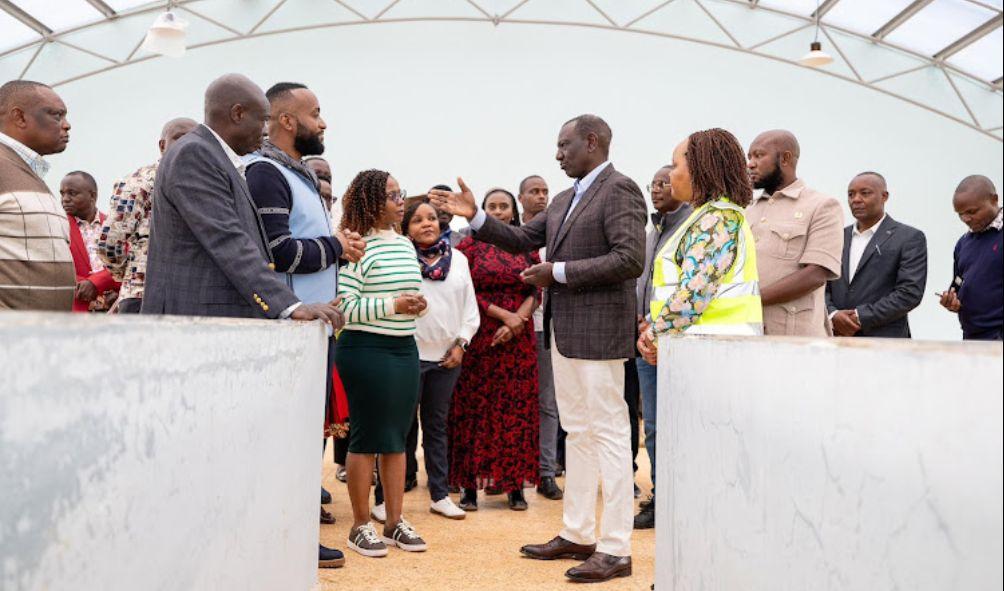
column 977, row 290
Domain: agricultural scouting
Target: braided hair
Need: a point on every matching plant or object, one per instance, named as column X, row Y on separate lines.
column 718, row 168
column 364, row 201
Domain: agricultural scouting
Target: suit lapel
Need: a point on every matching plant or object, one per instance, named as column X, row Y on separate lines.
column 582, row 204
column 884, row 233
column 556, row 213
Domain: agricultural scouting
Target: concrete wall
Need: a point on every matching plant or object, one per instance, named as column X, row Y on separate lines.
column 158, row 454
column 841, row 464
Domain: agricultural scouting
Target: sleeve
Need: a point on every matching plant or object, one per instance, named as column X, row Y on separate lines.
column 707, row 252
column 625, row 211
column 355, row 306
column 525, row 238
column 824, row 243
column 273, row 198
column 830, row 308
column 911, row 279
column 103, row 281
column 204, row 197
column 120, row 226
column 472, row 317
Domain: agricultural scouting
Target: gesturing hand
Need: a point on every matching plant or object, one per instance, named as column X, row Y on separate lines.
column 462, row 203
column 327, row 312
column 539, row 275
column 846, row 323
column 353, row 245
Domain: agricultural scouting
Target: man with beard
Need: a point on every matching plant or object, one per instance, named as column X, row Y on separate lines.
column 286, row 192
column 799, row 239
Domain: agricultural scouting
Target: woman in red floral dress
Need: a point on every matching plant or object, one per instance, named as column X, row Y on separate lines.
column 494, row 418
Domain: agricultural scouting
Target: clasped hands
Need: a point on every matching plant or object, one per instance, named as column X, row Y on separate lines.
column 353, row 245
column 846, row 323
column 462, row 203
column 647, row 345
column 513, row 326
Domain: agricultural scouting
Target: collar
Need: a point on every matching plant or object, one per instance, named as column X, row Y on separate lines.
column 32, row 158
column 869, row 231
column 273, row 152
column 997, row 224
column 793, row 190
column 231, row 154
column 582, row 185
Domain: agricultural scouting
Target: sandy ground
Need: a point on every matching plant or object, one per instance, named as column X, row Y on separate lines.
column 481, row 552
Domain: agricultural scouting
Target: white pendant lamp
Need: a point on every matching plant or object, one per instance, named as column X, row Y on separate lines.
column 166, row 36
column 816, row 56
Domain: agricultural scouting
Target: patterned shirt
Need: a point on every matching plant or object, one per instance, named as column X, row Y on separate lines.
column 124, row 239
column 32, row 158
column 90, row 231
column 368, row 288
column 705, row 255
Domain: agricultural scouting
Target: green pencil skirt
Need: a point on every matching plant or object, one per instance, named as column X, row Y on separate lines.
column 381, row 378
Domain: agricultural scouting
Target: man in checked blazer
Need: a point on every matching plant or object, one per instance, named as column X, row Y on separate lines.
column 595, row 238
column 208, row 255
column 884, row 267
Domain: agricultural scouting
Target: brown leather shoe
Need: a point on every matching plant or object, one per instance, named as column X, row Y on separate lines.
column 559, row 547
column 600, row 567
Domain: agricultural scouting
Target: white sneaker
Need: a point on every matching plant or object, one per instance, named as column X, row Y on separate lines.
column 379, row 512
column 447, row 508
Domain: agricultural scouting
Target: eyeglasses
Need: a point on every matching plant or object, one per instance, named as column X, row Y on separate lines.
column 397, row 196
column 660, row 185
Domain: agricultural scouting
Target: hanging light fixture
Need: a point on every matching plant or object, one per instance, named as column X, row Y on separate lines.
column 816, row 56
column 166, row 35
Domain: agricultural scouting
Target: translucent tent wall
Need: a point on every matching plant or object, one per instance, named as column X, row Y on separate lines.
column 430, row 89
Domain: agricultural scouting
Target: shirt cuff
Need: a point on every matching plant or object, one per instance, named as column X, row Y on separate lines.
column 832, row 314
column 558, row 270
column 478, row 220
column 289, row 311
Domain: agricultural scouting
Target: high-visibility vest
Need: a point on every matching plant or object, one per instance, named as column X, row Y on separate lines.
column 735, row 308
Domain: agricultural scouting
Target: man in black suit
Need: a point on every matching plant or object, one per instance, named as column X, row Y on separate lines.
column 884, row 267
column 209, row 254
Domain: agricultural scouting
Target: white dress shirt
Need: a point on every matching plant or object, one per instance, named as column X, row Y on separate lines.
column 859, row 241
column 581, row 186
column 235, row 159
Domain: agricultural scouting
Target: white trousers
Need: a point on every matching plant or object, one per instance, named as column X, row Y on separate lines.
column 592, row 410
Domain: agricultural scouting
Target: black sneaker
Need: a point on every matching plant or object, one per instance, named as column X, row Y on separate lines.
column 410, row 483
column 325, row 496
column 329, row 557
column 469, row 499
column 637, row 492
column 548, row 488
column 645, row 519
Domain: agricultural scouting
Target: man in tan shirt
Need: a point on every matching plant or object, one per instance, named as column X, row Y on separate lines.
column 799, row 239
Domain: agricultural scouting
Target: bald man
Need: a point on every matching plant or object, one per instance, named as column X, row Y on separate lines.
column 884, row 267
column 208, row 254
column 977, row 290
column 36, row 268
column 125, row 236
column 798, row 233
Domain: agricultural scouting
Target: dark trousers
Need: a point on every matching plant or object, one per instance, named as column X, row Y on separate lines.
column 130, row 305
column 632, row 395
column 342, row 450
column 436, row 391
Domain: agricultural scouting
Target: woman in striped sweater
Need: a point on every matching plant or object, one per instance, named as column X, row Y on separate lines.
column 377, row 357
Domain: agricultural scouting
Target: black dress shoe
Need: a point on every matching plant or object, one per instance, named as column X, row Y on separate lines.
column 325, row 496
column 329, row 557
column 600, row 567
column 558, row 547
column 516, row 500
column 549, row 489
column 645, row 519
column 469, row 499
column 410, row 483
column 326, row 518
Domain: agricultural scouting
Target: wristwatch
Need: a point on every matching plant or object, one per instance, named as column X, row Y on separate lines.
column 462, row 343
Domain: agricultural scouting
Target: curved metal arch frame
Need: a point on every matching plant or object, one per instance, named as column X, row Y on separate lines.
column 505, row 19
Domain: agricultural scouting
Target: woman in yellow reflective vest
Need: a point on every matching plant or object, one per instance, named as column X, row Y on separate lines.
column 704, row 278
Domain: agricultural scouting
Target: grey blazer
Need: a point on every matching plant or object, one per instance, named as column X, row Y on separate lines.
column 208, row 252
column 888, row 283
column 603, row 246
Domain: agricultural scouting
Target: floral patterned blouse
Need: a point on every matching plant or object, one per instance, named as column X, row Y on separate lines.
column 705, row 255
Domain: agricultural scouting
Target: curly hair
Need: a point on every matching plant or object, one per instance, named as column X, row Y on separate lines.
column 718, row 168
column 364, row 201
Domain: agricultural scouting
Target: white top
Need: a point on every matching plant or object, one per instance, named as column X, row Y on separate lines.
column 234, row 158
column 452, row 312
column 859, row 240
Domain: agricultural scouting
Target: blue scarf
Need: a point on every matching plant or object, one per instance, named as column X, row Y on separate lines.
column 441, row 268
